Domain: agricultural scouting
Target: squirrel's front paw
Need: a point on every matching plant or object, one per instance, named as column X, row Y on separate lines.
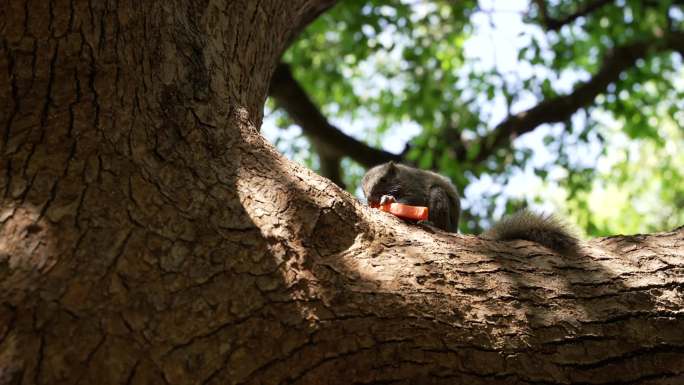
column 386, row 199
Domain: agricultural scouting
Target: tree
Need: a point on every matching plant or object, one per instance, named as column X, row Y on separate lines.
column 150, row 235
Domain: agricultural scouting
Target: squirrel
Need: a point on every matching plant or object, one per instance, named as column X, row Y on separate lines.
column 411, row 186
column 404, row 184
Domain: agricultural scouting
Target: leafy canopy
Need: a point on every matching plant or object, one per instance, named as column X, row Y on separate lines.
column 442, row 75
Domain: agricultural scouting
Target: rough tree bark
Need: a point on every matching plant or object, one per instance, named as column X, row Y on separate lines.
column 149, row 235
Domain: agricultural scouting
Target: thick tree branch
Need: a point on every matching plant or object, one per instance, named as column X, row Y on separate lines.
column 328, row 139
column 552, row 24
column 149, row 236
column 560, row 108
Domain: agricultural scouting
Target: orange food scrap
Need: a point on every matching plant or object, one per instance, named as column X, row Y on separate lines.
column 416, row 213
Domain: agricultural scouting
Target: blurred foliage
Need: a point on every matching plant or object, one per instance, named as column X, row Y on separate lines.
column 379, row 67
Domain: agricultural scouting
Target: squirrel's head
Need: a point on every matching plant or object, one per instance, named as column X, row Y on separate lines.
column 379, row 181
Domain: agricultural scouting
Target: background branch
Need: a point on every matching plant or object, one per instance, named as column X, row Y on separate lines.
column 327, row 139
column 330, row 168
column 308, row 14
column 560, row 108
column 552, row 24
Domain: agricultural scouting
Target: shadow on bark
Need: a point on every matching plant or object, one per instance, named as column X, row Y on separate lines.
column 451, row 308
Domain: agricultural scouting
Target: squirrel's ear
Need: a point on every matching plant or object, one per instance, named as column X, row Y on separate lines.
column 391, row 166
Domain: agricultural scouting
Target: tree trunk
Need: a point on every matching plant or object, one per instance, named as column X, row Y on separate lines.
column 149, row 235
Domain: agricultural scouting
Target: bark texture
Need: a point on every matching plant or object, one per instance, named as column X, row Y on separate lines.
column 149, row 236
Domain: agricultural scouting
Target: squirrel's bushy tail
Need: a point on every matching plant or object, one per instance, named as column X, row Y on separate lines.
column 545, row 230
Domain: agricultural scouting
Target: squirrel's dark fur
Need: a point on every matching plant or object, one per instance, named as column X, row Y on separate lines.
column 417, row 187
column 545, row 230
